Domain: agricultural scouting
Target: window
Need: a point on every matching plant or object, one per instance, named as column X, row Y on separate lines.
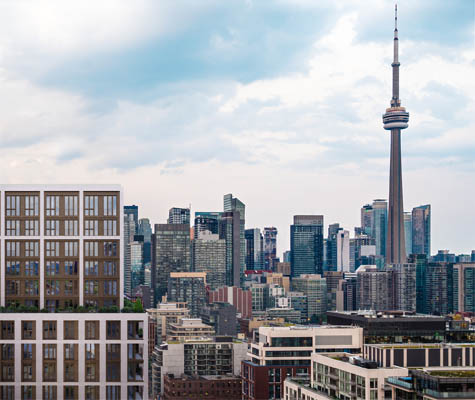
column 134, row 392
column 31, row 268
column 91, row 268
column 52, row 249
column 69, row 288
column 91, row 206
column 27, row 351
column 110, row 288
column 8, row 330
column 49, row 329
column 52, row 227
column 52, row 288
column 91, row 228
column 71, row 228
column 91, row 372
column 70, row 267
column 70, row 330
column 32, row 249
column 13, row 206
column 110, row 228
column 135, row 329
column 12, row 287
column 49, row 393
column 70, row 392
column 28, row 392
column 13, row 249
column 70, row 249
column 110, row 249
column 8, row 352
column 92, row 393
column 113, row 329
column 52, row 206
column 13, row 267
column 110, row 268
column 110, row 206
column 32, row 228
column 28, row 330
column 31, row 206
column 112, row 392
column 91, row 351
column 13, row 228
column 91, row 249
column 31, row 288
column 70, row 372
column 49, row 351
column 69, row 351
column 91, row 288
column 113, row 372
column 92, row 330
column 27, row 373
column 7, row 392
column 8, row 373
column 71, row 206
column 52, row 268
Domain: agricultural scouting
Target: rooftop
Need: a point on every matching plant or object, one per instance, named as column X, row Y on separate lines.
column 421, row 345
column 384, row 314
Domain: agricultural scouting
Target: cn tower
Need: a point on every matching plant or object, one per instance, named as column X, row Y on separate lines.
column 395, row 119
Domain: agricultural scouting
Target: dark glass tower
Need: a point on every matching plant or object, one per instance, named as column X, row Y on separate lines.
column 395, row 119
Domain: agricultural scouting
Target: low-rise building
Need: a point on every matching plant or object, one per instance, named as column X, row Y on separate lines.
column 166, row 314
column 189, row 329
column 210, row 387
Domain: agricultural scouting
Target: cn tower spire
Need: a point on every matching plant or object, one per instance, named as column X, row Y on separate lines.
column 395, row 119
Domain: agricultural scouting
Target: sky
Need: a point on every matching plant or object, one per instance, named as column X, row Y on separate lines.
column 278, row 102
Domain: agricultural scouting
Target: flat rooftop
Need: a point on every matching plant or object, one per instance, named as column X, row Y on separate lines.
column 421, row 345
column 383, row 314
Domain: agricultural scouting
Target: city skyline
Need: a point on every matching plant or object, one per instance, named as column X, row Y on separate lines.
column 306, row 110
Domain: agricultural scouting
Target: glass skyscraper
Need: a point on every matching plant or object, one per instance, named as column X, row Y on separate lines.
column 421, row 230
column 380, row 222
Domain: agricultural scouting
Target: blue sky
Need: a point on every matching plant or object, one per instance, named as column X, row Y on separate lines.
column 278, row 102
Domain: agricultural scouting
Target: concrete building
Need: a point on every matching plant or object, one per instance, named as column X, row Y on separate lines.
column 375, row 288
column 403, row 286
column 306, row 245
column 179, row 216
column 215, row 356
column 222, row 317
column 280, row 352
column 166, row 314
column 188, row 287
column 240, row 299
column 315, row 288
column 189, row 329
column 283, row 268
column 463, row 287
column 209, row 255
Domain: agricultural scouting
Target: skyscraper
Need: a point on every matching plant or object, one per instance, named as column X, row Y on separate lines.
column 331, row 247
column 306, row 245
column 408, row 232
column 421, row 230
column 395, row 119
column 254, row 249
column 209, row 255
column 179, row 216
column 343, row 251
column 230, row 231
column 380, row 220
column 130, row 229
column 463, row 287
column 206, row 221
column 237, row 206
column 270, row 248
column 367, row 219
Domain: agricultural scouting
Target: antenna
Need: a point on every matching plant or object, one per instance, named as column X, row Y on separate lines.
column 395, row 17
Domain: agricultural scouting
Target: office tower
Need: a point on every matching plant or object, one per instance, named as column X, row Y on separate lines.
column 189, row 287
column 286, row 256
column 362, row 249
column 315, row 288
column 421, row 230
column 136, row 262
column 463, row 287
column 367, row 219
column 130, row 229
column 170, row 253
column 254, row 249
column 333, row 279
column 375, row 288
column 380, row 218
column 145, row 229
column 240, row 299
column 437, row 289
column 206, row 221
column 395, row 119
column 404, row 286
column 230, row 231
column 343, row 251
column 209, row 255
column 408, row 232
column 61, row 250
column 331, row 247
column 346, row 298
column 233, row 204
column 270, row 248
column 133, row 211
column 420, row 260
column 179, row 216
column 306, row 245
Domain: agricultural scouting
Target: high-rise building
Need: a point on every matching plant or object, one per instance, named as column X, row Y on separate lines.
column 421, row 230
column 380, row 220
column 137, row 271
column 463, row 287
column 189, row 287
column 332, row 248
column 233, row 204
column 315, row 288
column 270, row 248
column 130, row 229
column 408, row 232
column 206, row 221
column 230, row 231
column 403, row 286
column 145, row 229
column 472, row 257
column 306, row 245
column 332, row 279
column 254, row 249
column 179, row 216
column 395, row 119
column 134, row 212
column 209, row 255
column 367, row 219
column 170, row 253
column 286, row 256
column 61, row 251
column 343, row 251
column 374, row 288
